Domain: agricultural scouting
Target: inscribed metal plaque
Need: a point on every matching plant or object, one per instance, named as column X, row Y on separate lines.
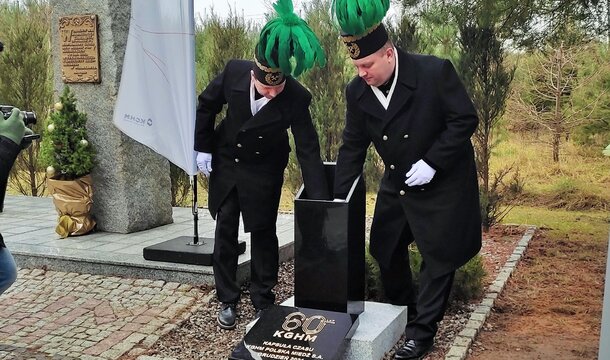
column 79, row 49
column 290, row 333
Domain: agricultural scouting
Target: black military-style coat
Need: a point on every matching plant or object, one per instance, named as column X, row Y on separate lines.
column 430, row 117
column 8, row 153
column 251, row 152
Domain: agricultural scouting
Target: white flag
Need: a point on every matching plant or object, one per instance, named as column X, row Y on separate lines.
column 156, row 101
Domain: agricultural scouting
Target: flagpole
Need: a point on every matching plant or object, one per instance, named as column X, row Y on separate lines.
column 195, row 211
column 164, row 43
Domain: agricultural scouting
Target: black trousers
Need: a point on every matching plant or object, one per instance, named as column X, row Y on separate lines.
column 264, row 263
column 427, row 306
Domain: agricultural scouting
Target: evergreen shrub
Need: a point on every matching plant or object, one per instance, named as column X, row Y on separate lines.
column 65, row 147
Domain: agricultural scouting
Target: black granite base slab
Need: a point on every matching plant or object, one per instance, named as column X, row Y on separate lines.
column 296, row 333
column 181, row 250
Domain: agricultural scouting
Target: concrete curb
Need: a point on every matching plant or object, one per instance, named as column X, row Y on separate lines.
column 463, row 341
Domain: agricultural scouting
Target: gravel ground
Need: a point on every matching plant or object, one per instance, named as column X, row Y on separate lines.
column 199, row 337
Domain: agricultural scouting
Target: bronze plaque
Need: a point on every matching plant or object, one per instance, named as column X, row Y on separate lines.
column 79, row 49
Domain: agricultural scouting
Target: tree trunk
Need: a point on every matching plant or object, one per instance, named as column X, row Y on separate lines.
column 485, row 148
column 31, row 165
column 558, row 116
column 556, row 140
column 484, row 172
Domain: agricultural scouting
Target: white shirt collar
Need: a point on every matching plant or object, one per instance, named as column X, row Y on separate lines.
column 256, row 104
column 385, row 100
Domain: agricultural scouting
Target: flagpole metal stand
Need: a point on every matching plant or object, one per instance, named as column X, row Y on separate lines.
column 186, row 249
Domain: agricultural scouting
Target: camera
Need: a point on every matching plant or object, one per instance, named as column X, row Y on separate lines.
column 29, row 117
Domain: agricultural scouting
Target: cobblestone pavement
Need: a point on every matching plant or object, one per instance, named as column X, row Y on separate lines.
column 59, row 315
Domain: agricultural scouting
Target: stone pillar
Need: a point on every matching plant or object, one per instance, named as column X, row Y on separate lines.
column 131, row 183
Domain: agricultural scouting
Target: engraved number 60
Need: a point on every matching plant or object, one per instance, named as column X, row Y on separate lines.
column 298, row 319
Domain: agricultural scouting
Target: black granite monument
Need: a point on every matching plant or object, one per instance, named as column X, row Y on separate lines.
column 329, row 250
column 328, row 285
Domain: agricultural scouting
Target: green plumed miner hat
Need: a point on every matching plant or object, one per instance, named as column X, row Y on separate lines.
column 362, row 30
column 288, row 36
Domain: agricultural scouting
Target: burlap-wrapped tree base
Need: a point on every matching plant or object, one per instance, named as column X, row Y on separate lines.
column 73, row 199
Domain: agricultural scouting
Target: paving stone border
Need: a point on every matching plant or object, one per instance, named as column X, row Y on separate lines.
column 463, row 341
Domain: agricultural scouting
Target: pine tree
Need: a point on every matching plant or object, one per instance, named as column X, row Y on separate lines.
column 26, row 79
column 487, row 78
column 65, row 149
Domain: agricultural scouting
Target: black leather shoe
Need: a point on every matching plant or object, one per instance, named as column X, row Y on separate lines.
column 413, row 349
column 226, row 316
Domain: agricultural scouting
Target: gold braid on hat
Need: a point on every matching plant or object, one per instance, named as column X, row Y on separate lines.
column 265, row 68
column 351, row 38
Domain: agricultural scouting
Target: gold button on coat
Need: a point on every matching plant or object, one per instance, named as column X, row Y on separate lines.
column 402, row 192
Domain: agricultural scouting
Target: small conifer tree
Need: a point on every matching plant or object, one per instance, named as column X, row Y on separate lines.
column 65, row 148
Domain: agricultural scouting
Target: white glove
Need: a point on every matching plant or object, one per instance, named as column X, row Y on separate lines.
column 420, row 174
column 204, row 163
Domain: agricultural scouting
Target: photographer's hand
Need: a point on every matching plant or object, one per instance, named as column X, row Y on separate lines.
column 14, row 128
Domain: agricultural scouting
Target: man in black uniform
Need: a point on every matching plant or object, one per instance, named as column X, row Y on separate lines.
column 418, row 115
column 245, row 156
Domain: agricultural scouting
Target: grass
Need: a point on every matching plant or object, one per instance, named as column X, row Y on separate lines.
column 580, row 180
column 577, row 225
